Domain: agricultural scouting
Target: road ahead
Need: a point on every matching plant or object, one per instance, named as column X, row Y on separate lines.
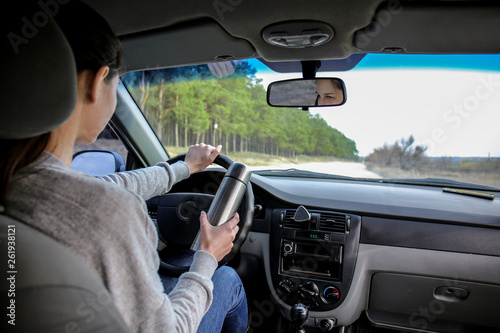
column 350, row 169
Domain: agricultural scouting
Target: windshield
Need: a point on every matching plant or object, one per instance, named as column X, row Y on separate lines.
column 406, row 118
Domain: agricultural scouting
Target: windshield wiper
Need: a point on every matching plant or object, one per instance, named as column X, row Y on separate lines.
column 476, row 194
column 302, row 173
column 408, row 181
column 440, row 182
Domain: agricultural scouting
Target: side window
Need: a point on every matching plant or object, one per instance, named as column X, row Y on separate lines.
column 107, row 140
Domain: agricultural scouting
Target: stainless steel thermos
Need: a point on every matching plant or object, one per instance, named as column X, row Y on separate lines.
column 228, row 197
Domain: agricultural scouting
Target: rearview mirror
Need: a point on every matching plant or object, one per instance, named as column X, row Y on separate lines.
column 307, row 93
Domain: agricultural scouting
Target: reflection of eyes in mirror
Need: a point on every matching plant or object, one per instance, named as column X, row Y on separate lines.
column 306, row 92
column 329, row 92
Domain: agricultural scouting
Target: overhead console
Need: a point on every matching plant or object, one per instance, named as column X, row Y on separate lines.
column 313, row 255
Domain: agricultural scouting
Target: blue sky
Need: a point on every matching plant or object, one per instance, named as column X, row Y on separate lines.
column 451, row 104
column 465, row 62
column 489, row 62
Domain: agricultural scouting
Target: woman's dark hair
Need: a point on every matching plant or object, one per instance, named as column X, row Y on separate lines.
column 337, row 84
column 17, row 154
column 94, row 45
column 92, row 40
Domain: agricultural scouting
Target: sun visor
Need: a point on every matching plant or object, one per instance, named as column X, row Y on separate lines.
column 187, row 44
column 334, row 65
column 432, row 27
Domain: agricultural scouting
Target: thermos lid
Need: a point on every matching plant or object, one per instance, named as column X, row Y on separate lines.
column 239, row 171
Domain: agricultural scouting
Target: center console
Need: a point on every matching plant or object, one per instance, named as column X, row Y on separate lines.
column 313, row 255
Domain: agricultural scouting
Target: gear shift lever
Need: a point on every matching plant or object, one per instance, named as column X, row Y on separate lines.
column 299, row 314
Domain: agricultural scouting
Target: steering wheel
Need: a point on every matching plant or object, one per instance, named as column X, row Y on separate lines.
column 178, row 217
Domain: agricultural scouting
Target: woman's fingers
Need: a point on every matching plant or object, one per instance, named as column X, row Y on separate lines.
column 218, row 240
column 200, row 156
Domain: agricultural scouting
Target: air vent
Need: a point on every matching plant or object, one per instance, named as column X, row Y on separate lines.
column 289, row 222
column 332, row 222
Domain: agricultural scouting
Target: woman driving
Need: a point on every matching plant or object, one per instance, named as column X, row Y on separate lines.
column 105, row 220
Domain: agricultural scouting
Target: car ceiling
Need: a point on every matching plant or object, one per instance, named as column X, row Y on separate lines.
column 160, row 33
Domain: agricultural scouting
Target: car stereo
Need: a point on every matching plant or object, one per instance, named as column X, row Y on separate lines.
column 306, row 258
column 313, row 255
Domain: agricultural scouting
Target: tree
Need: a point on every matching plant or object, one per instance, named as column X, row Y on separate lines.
column 189, row 105
column 402, row 154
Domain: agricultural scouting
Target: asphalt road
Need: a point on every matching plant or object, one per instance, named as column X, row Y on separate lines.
column 350, row 169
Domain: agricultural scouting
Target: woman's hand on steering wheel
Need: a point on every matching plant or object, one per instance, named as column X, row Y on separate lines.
column 218, row 240
column 199, row 156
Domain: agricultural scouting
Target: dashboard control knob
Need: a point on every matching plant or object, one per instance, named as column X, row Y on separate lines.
column 331, row 294
column 287, row 248
column 308, row 290
column 327, row 325
column 285, row 287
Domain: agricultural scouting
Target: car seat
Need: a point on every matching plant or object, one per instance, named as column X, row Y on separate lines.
column 44, row 286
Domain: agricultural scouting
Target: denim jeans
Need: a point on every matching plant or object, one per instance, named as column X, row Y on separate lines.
column 229, row 309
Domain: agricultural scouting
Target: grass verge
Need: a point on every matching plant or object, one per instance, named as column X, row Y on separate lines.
column 258, row 159
column 474, row 177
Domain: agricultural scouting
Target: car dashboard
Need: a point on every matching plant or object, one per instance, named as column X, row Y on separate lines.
column 406, row 256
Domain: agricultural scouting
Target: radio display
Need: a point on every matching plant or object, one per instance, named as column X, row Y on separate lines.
column 312, row 235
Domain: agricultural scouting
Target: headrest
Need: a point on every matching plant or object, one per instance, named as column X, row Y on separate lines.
column 38, row 73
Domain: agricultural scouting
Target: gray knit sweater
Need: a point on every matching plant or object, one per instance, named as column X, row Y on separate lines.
column 107, row 224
